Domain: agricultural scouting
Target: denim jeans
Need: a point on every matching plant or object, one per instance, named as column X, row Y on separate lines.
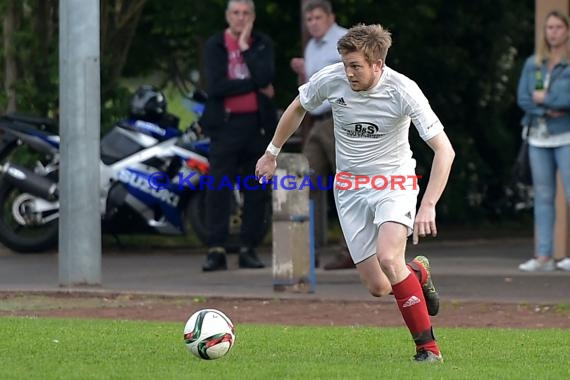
column 544, row 163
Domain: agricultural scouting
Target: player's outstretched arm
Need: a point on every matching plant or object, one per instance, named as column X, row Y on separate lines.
column 288, row 124
column 441, row 166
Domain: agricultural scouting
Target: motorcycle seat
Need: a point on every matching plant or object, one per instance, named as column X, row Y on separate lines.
column 41, row 122
column 22, row 127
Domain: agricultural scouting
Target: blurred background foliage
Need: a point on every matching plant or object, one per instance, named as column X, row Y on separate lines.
column 466, row 56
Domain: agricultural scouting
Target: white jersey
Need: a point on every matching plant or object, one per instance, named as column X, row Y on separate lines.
column 371, row 127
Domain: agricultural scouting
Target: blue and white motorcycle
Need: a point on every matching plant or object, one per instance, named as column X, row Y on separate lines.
column 132, row 153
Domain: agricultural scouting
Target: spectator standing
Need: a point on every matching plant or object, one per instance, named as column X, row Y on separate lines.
column 544, row 96
column 239, row 117
column 321, row 51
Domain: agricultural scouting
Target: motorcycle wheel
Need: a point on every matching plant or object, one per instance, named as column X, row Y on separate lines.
column 14, row 235
column 23, row 238
column 196, row 213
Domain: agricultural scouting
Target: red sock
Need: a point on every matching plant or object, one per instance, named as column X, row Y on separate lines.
column 412, row 305
column 418, row 270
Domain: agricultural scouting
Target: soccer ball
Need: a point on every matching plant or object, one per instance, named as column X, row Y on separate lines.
column 209, row 334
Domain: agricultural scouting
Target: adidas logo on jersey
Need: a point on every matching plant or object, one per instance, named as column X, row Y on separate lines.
column 340, row 101
column 408, row 215
column 411, row 301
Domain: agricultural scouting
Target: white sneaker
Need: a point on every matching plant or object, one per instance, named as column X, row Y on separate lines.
column 564, row 264
column 533, row 265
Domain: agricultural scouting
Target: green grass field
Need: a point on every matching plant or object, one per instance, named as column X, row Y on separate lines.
column 38, row 348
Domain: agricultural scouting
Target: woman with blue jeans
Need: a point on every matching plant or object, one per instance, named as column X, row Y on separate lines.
column 544, row 95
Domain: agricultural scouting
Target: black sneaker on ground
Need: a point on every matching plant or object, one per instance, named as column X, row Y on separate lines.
column 215, row 260
column 248, row 259
column 425, row 356
column 430, row 292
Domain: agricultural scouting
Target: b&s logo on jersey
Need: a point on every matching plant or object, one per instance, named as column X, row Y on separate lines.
column 364, row 129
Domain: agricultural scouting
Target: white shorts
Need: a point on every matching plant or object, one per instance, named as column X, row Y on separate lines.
column 362, row 211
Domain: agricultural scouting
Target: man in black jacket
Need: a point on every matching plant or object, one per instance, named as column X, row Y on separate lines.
column 240, row 118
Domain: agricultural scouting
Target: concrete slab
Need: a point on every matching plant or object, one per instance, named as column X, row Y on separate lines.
column 473, row 270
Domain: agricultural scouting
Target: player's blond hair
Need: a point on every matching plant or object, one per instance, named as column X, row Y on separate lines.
column 372, row 40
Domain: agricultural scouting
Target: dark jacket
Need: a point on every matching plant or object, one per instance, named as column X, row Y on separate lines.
column 260, row 60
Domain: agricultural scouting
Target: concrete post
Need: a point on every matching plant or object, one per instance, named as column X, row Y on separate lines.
column 293, row 247
column 80, row 109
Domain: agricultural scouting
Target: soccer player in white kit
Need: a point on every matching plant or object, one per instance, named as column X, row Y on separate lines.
column 372, row 108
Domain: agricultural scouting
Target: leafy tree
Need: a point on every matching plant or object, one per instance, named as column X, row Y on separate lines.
column 466, row 56
column 32, row 72
column 30, row 55
column 119, row 21
column 171, row 36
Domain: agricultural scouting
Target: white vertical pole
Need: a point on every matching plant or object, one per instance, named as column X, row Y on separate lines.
column 80, row 119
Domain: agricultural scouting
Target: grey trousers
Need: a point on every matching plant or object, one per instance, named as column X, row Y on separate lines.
column 320, row 151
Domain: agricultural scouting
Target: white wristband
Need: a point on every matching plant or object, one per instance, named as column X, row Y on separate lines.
column 273, row 149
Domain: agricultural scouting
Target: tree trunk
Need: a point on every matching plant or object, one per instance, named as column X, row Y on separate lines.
column 42, row 24
column 10, row 25
column 119, row 20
